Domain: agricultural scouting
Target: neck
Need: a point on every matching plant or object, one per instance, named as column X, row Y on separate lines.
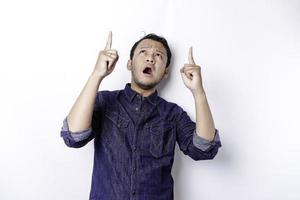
column 141, row 91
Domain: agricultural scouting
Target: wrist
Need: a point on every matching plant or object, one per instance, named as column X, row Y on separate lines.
column 199, row 96
column 199, row 92
column 96, row 75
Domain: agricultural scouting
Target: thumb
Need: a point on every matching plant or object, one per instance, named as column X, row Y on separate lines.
column 185, row 79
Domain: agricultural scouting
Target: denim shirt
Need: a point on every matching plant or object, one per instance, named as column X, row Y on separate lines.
column 134, row 143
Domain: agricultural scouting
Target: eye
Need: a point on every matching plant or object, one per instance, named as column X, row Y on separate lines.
column 158, row 54
column 142, row 51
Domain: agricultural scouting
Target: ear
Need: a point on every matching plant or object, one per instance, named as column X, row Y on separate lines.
column 129, row 65
column 167, row 71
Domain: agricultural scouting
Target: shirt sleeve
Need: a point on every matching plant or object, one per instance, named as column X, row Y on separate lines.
column 203, row 143
column 190, row 143
column 77, row 136
column 79, row 139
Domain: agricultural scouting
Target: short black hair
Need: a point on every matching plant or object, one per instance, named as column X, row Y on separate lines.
column 157, row 38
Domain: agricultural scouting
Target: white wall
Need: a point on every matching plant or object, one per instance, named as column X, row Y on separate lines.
column 249, row 52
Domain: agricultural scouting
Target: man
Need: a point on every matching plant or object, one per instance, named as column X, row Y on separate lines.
column 135, row 130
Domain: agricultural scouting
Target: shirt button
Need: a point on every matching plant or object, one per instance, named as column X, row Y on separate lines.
column 136, row 108
column 133, row 192
column 134, row 169
column 134, row 148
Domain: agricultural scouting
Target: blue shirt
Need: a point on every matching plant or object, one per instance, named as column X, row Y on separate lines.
column 134, row 143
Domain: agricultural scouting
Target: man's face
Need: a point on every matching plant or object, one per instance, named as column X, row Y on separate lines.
column 148, row 65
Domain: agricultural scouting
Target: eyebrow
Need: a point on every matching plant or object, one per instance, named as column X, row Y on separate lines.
column 155, row 49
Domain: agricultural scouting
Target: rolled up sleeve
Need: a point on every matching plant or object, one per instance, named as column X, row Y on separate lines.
column 204, row 144
column 190, row 143
column 75, row 139
column 79, row 139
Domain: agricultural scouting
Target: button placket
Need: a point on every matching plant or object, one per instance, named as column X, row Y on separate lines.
column 133, row 175
column 134, row 148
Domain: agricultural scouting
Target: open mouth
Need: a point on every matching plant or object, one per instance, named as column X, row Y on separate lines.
column 147, row 71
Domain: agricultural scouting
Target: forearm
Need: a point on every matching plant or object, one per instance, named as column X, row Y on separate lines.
column 80, row 115
column 205, row 127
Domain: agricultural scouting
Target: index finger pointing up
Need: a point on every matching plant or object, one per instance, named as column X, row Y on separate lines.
column 191, row 59
column 109, row 41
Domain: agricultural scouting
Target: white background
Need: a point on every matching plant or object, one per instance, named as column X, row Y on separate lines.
column 249, row 53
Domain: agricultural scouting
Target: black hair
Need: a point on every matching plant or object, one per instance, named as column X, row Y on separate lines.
column 157, row 38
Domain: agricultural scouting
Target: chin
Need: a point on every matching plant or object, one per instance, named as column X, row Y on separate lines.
column 146, row 85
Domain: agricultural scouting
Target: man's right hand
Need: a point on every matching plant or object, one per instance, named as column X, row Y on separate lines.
column 107, row 59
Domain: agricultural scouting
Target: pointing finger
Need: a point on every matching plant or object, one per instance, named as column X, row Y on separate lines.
column 191, row 59
column 109, row 41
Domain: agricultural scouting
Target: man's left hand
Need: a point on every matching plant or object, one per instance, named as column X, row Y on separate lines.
column 191, row 75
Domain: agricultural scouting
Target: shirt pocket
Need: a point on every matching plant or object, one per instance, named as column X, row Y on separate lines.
column 118, row 120
column 114, row 127
column 161, row 138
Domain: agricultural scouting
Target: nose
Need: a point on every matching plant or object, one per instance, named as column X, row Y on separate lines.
column 150, row 59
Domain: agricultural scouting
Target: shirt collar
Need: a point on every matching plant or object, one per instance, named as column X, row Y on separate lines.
column 130, row 93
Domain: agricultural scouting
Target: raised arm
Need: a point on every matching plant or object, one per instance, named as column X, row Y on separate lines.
column 191, row 76
column 80, row 115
